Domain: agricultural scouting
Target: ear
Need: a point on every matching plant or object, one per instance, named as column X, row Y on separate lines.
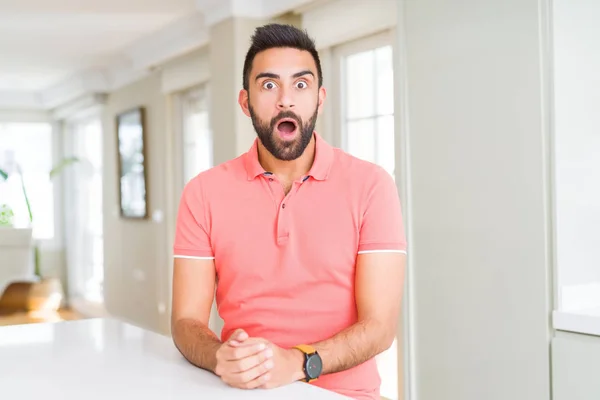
column 243, row 101
column 322, row 95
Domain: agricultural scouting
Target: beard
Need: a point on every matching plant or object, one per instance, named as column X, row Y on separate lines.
column 280, row 149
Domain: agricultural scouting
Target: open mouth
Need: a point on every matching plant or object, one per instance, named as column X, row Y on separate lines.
column 287, row 128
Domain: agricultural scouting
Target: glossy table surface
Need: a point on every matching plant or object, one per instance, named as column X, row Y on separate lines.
column 108, row 359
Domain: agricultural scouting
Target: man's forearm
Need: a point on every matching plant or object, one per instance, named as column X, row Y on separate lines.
column 354, row 345
column 197, row 343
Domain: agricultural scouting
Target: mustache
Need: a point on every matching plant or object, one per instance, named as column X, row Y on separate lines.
column 286, row 114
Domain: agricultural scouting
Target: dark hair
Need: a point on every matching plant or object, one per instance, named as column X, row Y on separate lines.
column 278, row 35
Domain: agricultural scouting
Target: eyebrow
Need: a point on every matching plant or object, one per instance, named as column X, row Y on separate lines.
column 275, row 76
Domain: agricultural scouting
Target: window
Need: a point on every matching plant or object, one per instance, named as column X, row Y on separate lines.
column 365, row 114
column 84, row 210
column 576, row 165
column 26, row 150
column 197, row 141
column 367, row 109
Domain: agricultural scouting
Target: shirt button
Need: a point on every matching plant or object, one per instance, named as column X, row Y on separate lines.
column 283, row 206
column 270, row 179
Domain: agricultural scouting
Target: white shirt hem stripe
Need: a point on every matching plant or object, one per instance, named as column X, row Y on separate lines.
column 194, row 258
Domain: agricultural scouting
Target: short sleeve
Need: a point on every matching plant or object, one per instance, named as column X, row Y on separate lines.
column 191, row 237
column 382, row 228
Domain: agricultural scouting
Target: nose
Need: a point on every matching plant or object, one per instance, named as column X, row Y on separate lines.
column 285, row 101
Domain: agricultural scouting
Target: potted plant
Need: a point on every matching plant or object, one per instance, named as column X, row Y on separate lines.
column 46, row 293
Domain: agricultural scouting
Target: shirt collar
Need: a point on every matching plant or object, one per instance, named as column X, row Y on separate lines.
column 319, row 170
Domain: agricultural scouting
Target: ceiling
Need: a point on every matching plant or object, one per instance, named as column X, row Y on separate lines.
column 48, row 47
column 45, row 41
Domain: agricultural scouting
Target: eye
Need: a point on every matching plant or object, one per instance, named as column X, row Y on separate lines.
column 269, row 85
column 301, row 85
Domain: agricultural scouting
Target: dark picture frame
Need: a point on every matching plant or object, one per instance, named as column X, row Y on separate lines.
column 131, row 148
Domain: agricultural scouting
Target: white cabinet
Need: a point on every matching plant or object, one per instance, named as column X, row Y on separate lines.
column 576, row 367
column 15, row 255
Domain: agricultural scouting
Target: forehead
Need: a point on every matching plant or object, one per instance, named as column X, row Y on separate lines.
column 283, row 61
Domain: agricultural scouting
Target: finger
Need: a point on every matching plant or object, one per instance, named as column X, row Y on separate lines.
column 247, row 363
column 260, row 382
column 256, row 376
column 239, row 353
column 247, row 342
column 239, row 335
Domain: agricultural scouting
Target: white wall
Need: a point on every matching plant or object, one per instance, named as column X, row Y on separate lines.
column 479, row 235
column 577, row 125
column 136, row 252
column 186, row 71
column 339, row 21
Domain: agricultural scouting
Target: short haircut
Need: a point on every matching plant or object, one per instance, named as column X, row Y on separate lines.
column 278, row 36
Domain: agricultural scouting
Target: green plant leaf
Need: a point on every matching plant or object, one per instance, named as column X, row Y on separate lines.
column 25, row 193
column 65, row 162
column 37, row 261
column 3, row 174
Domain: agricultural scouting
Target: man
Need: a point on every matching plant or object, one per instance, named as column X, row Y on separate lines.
column 304, row 242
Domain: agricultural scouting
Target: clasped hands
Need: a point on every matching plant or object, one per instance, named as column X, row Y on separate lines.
column 249, row 363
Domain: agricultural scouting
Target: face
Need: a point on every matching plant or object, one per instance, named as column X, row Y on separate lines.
column 283, row 100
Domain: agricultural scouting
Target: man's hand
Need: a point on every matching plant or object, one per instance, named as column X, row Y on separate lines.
column 287, row 367
column 263, row 364
column 244, row 362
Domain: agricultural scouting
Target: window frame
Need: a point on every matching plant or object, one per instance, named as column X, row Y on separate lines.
column 339, row 53
column 339, row 139
column 77, row 299
column 56, row 243
column 178, row 107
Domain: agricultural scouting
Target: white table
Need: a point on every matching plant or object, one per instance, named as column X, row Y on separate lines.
column 579, row 310
column 108, row 359
column 585, row 321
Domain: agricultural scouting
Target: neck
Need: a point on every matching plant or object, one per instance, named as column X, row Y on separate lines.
column 288, row 170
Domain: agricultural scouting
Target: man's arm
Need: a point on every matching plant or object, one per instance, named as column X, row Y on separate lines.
column 379, row 280
column 378, row 292
column 379, row 284
column 245, row 366
column 193, row 293
column 194, row 282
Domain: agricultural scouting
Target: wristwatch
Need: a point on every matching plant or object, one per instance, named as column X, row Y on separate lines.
column 313, row 365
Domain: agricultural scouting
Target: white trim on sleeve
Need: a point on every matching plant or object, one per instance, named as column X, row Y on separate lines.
column 382, row 251
column 194, row 258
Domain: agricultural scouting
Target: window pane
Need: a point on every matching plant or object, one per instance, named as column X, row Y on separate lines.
column 359, row 80
column 385, row 80
column 387, row 363
column 28, row 147
column 385, row 143
column 361, row 139
column 85, row 245
column 197, row 143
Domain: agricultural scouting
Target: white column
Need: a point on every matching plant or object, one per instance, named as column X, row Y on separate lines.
column 232, row 129
column 477, row 166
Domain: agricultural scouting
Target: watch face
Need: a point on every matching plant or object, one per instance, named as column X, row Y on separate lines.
column 314, row 366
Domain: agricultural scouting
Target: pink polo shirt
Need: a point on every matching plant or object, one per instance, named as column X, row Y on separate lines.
column 285, row 264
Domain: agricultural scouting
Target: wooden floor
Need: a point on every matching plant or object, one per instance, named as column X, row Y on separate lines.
column 37, row 317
